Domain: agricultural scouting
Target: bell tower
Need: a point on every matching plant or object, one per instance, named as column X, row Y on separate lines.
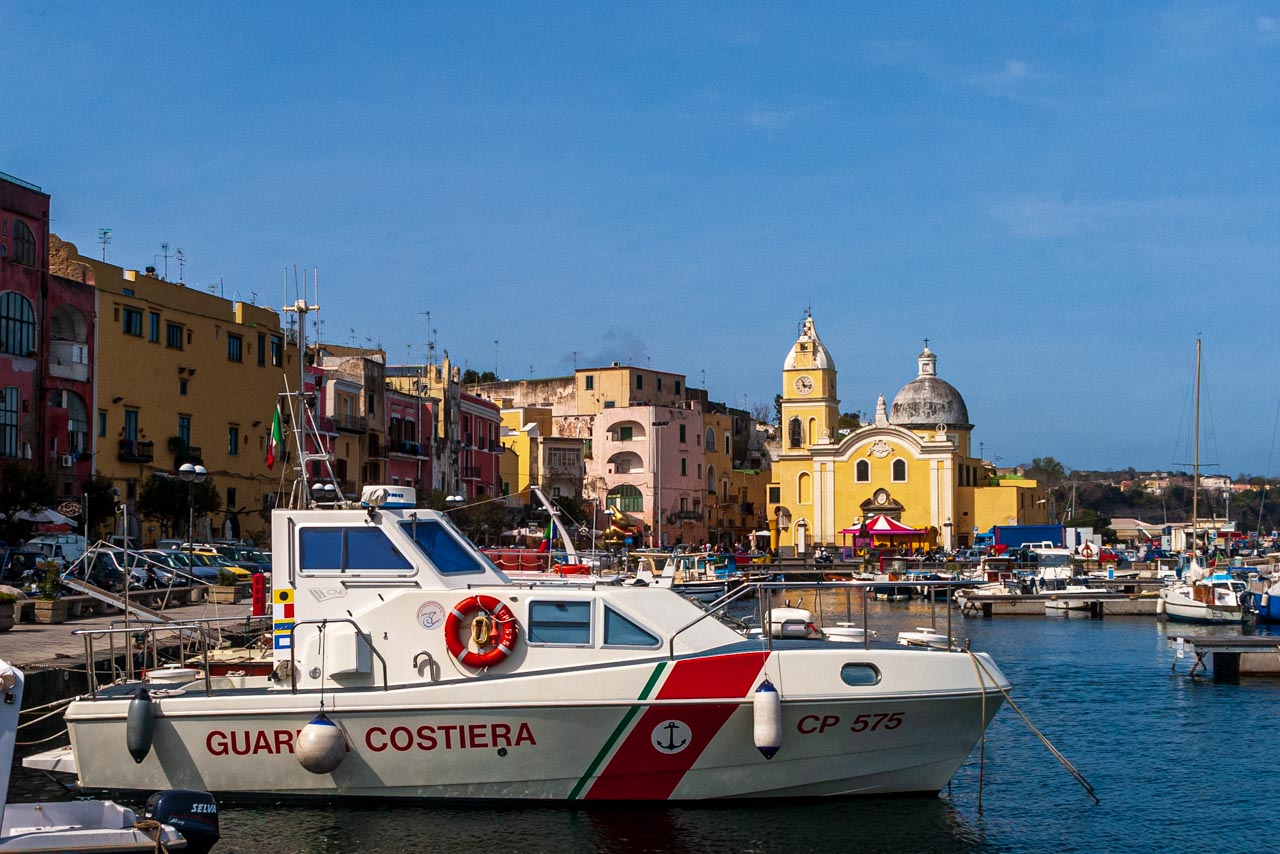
column 810, row 408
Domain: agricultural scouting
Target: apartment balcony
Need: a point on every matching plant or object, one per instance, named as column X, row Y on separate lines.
column 411, row 449
column 69, row 360
column 471, row 472
column 351, row 423
column 377, row 450
column 132, row 451
column 190, row 454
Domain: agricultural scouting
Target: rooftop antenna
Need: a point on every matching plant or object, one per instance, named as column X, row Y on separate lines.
column 531, row 372
column 353, row 337
column 182, row 264
column 164, row 253
column 315, row 284
column 704, row 377
column 104, row 237
column 253, row 297
column 495, row 358
column 575, row 361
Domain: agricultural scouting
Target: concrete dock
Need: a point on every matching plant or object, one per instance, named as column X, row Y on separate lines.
column 1233, row 656
column 1097, row 604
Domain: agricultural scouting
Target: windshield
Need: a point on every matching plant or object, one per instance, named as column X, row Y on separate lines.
column 444, row 546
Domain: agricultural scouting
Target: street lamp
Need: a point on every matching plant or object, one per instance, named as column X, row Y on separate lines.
column 455, row 501
column 192, row 474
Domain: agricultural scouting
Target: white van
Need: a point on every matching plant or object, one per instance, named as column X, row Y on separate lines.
column 64, row 548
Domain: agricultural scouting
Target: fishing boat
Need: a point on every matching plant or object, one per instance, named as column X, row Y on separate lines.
column 173, row 821
column 1201, row 597
column 408, row 666
column 1265, row 606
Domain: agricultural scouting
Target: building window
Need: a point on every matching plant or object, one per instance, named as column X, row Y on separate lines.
column 862, row 472
column 683, row 438
column 184, row 430
column 775, row 495
column 24, row 244
column 659, row 383
column 231, row 497
column 625, row 434
column 131, row 321
column 591, row 382
column 639, row 381
column 710, row 442
column 235, row 348
column 277, row 351
column 153, row 327
column 17, row 325
column 9, row 404
column 626, row 498
column 173, row 336
column 262, row 350
column 77, row 421
column 233, row 441
column 131, row 425
column 608, row 404
column 684, row 466
column 182, row 388
column 102, row 424
column 795, row 433
column 899, row 471
column 677, row 386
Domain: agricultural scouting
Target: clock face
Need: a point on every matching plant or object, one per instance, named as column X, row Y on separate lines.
column 882, row 497
column 804, row 384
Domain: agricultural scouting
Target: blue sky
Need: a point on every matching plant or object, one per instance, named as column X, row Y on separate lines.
column 1059, row 196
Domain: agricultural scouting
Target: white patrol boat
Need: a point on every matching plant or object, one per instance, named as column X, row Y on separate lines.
column 408, row 666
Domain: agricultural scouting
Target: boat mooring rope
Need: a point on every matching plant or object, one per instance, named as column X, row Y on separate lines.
column 59, row 734
column 1057, row 754
column 150, row 827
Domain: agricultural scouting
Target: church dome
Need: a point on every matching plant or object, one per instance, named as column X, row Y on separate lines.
column 928, row 401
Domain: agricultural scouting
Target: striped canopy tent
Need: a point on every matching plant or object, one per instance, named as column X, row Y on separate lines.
column 880, row 527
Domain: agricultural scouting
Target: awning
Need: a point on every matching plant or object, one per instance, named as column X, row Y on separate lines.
column 43, row 516
column 883, row 526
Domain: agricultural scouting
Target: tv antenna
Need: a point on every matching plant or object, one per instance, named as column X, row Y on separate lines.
column 104, row 237
column 182, row 263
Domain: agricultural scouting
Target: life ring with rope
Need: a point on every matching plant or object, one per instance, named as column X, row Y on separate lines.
column 1086, row 551
column 492, row 625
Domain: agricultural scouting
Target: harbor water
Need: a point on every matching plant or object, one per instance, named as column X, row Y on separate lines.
column 1181, row 764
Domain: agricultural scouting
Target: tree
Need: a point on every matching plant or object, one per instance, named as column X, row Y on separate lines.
column 164, row 498
column 471, row 377
column 1047, row 470
column 849, row 421
column 483, row 521
column 102, row 505
column 760, row 412
column 22, row 488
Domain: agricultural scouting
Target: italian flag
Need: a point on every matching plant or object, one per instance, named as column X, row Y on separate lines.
column 275, row 444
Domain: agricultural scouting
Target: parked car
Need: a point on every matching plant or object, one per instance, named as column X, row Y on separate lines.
column 185, row 567
column 113, row 569
column 20, row 567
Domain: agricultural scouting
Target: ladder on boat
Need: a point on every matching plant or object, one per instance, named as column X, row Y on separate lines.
column 142, row 612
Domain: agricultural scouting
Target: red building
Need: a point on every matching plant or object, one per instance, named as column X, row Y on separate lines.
column 46, row 346
column 480, row 457
column 410, row 430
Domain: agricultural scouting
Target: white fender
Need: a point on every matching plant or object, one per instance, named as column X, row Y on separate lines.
column 321, row 746
column 767, row 706
column 1160, row 609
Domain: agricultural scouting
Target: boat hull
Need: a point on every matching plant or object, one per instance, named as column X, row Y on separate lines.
column 675, row 743
column 1183, row 609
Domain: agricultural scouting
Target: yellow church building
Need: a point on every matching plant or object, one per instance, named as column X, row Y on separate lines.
column 912, row 464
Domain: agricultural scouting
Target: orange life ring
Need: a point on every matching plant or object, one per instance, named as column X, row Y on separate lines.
column 1086, row 551
column 504, row 641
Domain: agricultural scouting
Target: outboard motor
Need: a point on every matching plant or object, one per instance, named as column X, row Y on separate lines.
column 193, row 814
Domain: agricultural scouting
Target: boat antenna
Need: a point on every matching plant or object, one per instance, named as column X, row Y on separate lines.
column 1195, row 468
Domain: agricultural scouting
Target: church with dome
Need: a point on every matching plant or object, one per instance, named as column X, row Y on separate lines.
column 908, row 478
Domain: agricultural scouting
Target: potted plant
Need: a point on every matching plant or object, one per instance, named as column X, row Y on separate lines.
column 226, row 591
column 7, row 606
column 49, row 608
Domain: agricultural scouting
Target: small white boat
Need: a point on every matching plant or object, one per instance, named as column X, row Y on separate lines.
column 924, row 636
column 847, row 633
column 177, row 820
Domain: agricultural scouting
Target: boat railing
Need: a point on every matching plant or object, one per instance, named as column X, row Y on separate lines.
column 763, row 591
column 293, row 665
column 131, row 645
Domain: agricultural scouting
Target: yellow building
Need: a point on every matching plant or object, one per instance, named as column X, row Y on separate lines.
column 913, row 463
column 532, row 455
column 182, row 376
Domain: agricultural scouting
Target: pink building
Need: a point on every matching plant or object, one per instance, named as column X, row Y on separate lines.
column 46, row 346
column 481, row 448
column 410, row 431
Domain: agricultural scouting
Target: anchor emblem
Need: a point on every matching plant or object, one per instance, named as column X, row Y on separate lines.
column 671, row 737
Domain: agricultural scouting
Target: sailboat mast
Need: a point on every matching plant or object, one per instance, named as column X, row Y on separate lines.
column 1195, row 465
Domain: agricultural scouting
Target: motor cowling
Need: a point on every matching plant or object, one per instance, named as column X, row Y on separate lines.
column 191, row 813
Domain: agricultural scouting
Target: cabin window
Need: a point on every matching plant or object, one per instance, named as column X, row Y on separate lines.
column 443, row 548
column 859, row 674
column 621, row 631
column 562, row 623
column 349, row 550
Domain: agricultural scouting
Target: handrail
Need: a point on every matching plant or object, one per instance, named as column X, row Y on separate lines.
column 718, row 605
column 293, row 681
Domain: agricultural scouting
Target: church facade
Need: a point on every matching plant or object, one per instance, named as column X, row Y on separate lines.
column 913, row 464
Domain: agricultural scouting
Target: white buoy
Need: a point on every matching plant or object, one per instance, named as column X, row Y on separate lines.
column 321, row 746
column 768, row 724
column 1160, row 609
column 1265, row 601
column 140, row 726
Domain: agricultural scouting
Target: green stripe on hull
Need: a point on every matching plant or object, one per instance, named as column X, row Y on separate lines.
column 622, row 727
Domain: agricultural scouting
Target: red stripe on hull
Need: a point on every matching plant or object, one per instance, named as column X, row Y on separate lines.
column 639, row 770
